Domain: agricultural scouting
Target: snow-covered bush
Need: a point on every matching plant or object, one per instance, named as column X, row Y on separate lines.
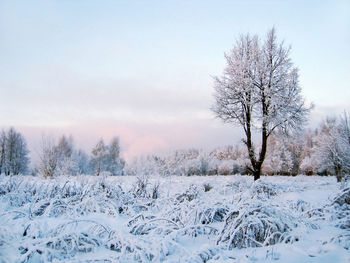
column 343, row 198
column 255, row 226
column 102, row 219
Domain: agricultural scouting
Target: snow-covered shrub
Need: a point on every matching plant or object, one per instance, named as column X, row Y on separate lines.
column 256, row 226
column 133, row 249
column 260, row 188
column 101, row 219
column 190, row 194
column 155, row 190
column 210, row 215
column 140, row 186
column 343, row 198
column 62, row 241
column 207, row 187
column 300, row 206
column 52, row 199
column 145, row 225
column 342, row 205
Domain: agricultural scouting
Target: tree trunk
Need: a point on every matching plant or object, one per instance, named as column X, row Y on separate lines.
column 256, row 175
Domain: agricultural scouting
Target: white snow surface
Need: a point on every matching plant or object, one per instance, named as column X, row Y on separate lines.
column 174, row 219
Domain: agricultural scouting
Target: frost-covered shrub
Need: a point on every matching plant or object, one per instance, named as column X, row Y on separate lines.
column 133, row 250
column 260, row 188
column 300, row 206
column 343, row 198
column 150, row 224
column 61, row 241
column 210, row 215
column 316, row 214
column 207, row 187
column 341, row 204
column 256, row 226
column 55, row 199
column 101, row 219
column 140, row 186
column 190, row 194
column 155, row 190
column 237, row 186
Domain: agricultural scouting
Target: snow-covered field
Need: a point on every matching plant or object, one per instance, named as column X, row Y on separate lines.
column 174, row 219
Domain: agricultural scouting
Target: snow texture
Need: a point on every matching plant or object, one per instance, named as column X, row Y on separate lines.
column 174, row 219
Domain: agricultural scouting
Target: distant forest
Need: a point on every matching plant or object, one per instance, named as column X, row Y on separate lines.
column 322, row 151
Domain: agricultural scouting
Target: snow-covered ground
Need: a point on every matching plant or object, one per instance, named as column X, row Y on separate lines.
column 174, row 219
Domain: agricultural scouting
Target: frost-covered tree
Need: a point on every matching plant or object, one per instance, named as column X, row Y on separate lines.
column 82, row 162
column 106, row 158
column 65, row 146
column 333, row 149
column 259, row 90
column 67, row 162
column 115, row 164
column 283, row 155
column 48, row 157
column 296, row 147
column 13, row 153
column 21, row 159
column 309, row 161
column 98, row 157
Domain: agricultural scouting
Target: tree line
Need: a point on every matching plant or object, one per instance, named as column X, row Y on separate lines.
column 64, row 159
column 321, row 151
column 324, row 150
column 61, row 158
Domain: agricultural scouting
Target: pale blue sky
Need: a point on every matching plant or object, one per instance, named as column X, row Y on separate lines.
column 142, row 69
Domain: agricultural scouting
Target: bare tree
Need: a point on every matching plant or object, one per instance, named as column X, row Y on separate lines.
column 259, row 90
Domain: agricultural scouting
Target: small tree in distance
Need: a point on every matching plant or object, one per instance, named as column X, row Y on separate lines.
column 98, row 158
column 49, row 157
column 106, row 158
column 115, row 163
column 259, row 90
column 13, row 153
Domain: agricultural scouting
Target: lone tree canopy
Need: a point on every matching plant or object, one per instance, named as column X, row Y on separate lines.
column 259, row 90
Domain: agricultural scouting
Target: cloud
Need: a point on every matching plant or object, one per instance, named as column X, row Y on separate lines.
column 60, row 95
